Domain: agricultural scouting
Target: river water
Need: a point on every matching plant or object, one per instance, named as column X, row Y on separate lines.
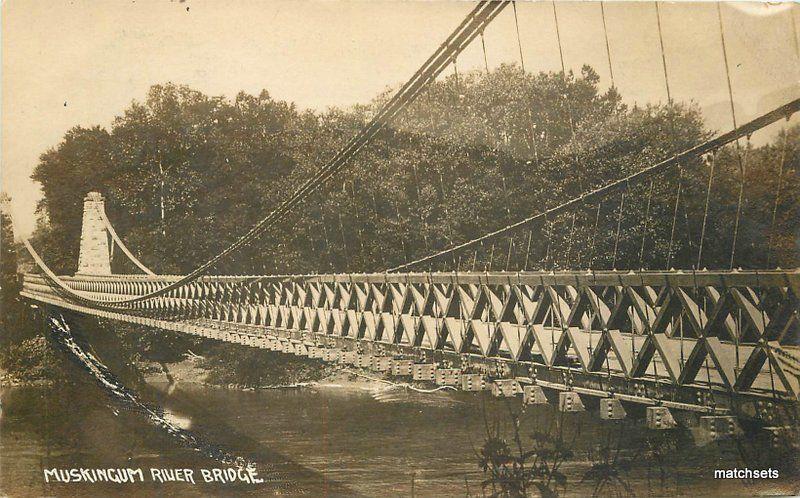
column 323, row 440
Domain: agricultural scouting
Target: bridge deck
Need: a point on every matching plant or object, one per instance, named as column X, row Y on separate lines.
column 708, row 341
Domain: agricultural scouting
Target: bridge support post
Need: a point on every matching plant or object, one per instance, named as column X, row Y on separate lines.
column 719, row 427
column 612, row 409
column 782, row 437
column 534, row 395
column 348, row 357
column 330, row 355
column 424, row 372
column 765, row 411
column 94, row 257
column 570, row 401
column 506, row 388
column 364, row 360
column 401, row 367
column 659, row 417
column 473, row 382
column 382, row 363
column 447, row 376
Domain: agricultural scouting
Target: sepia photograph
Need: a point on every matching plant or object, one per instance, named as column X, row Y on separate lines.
column 423, row 248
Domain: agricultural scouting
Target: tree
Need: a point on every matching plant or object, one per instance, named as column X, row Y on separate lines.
column 12, row 325
column 79, row 164
column 186, row 174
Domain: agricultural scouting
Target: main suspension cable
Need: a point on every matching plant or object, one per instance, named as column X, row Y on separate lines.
column 663, row 54
column 777, row 198
column 470, row 28
column 121, row 244
column 705, row 210
column 519, row 40
column 741, row 161
column 674, row 216
column 608, row 45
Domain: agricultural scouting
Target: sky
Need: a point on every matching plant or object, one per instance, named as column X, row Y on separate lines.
column 82, row 62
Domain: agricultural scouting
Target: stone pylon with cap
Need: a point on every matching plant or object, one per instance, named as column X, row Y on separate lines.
column 94, row 257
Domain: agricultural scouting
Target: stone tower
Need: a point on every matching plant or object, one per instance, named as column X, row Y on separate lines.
column 94, row 258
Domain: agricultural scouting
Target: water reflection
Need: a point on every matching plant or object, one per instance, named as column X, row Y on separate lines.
column 184, row 423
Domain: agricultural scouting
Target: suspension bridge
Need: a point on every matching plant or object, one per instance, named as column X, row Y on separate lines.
column 492, row 313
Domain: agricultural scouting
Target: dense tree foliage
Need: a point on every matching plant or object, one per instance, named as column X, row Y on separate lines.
column 10, row 303
column 185, row 174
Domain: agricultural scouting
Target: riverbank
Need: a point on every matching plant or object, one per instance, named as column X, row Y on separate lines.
column 30, row 362
column 198, row 370
column 139, row 355
column 12, row 379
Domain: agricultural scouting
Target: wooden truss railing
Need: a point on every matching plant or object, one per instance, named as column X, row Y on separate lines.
column 728, row 331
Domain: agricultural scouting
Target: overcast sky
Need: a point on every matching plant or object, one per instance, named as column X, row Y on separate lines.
column 68, row 63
